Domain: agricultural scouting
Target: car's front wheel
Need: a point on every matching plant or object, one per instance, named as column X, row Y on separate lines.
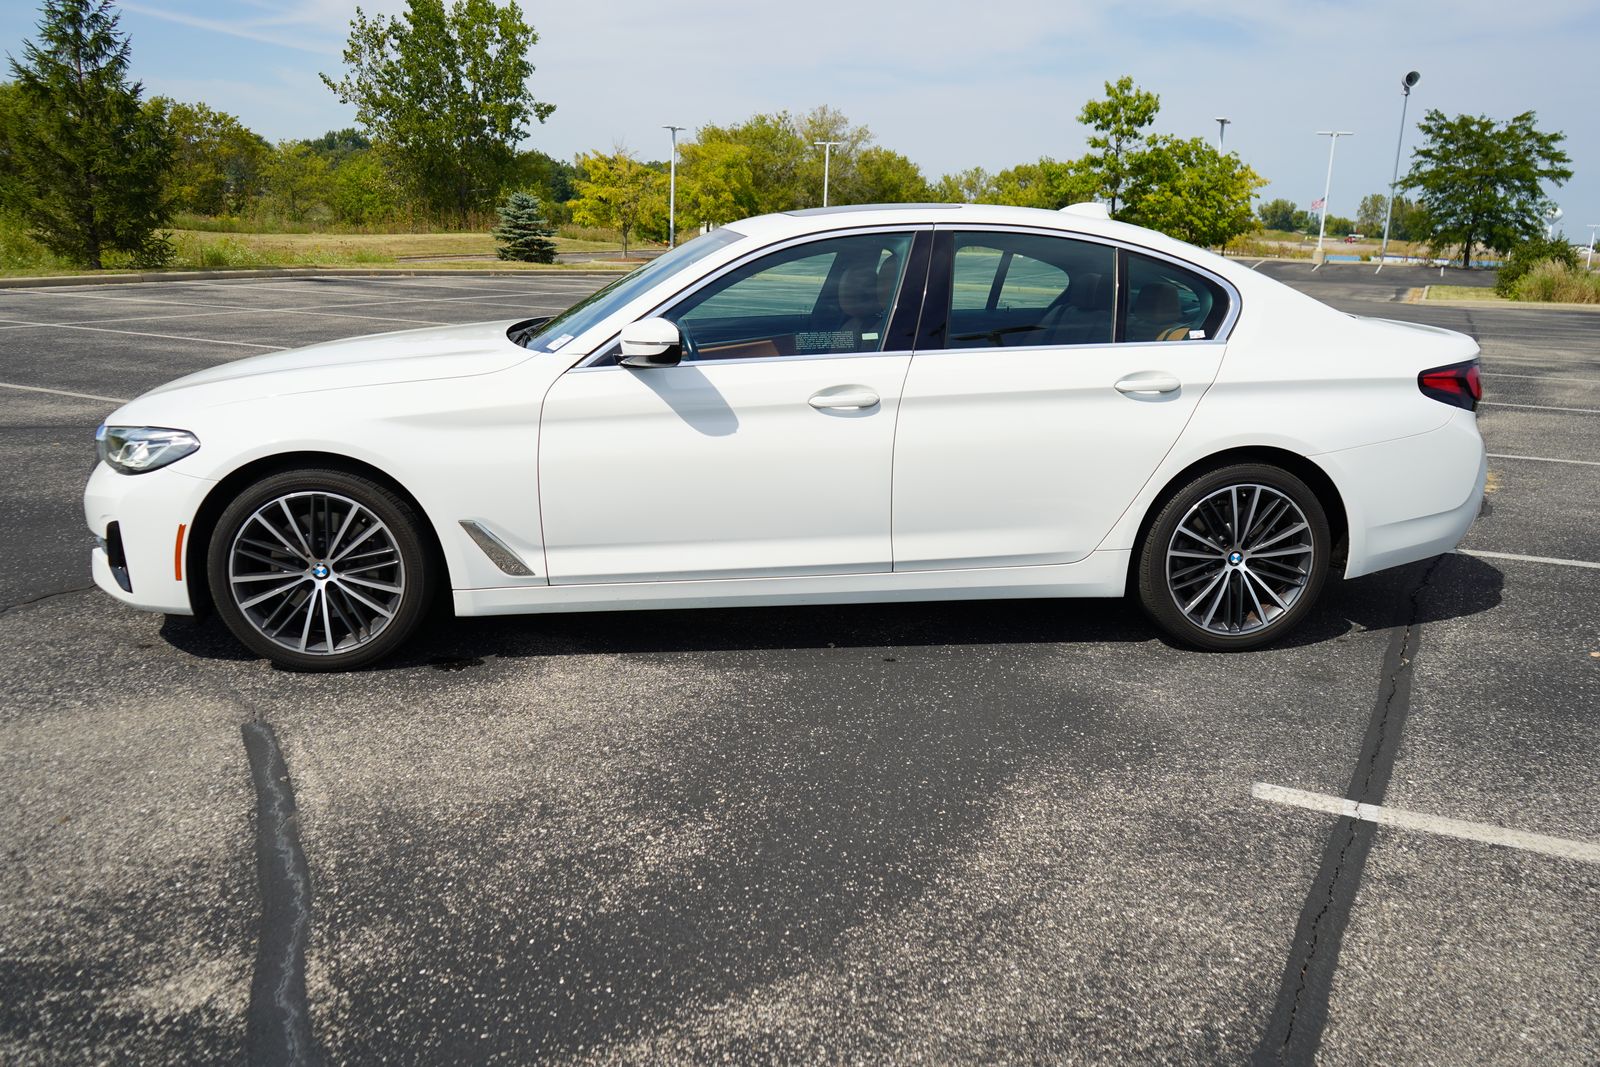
column 320, row 570
column 1235, row 558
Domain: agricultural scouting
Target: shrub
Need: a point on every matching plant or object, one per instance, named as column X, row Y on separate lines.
column 523, row 233
column 1559, row 283
column 1527, row 255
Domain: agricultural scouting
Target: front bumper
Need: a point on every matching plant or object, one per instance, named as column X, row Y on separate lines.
column 142, row 562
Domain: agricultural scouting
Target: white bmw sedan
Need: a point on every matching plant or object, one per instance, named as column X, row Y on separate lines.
column 887, row 403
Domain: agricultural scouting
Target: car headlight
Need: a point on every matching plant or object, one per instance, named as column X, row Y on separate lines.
column 137, row 449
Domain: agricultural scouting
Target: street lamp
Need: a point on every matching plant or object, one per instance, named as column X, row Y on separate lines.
column 1222, row 129
column 827, row 153
column 1327, row 187
column 1406, row 84
column 1588, row 262
column 672, row 190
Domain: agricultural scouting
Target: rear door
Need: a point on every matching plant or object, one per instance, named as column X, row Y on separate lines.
column 1050, row 378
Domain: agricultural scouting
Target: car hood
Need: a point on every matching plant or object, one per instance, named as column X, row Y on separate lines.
column 379, row 359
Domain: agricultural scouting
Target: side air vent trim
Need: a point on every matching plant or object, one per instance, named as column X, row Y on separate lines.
column 501, row 556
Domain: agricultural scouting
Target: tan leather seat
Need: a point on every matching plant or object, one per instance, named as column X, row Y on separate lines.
column 1156, row 314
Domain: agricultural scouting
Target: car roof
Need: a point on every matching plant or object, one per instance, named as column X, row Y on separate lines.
column 784, row 225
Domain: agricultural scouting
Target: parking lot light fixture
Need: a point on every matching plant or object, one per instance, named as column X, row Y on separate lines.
column 1406, row 85
column 1327, row 186
column 672, row 190
column 1222, row 130
column 827, row 154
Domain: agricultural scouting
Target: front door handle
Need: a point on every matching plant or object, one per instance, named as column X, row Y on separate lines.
column 1147, row 382
column 844, row 398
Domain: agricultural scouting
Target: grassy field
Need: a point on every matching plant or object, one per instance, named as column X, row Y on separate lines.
column 213, row 250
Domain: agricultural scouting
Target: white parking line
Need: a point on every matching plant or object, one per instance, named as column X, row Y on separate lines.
column 163, row 336
column 1482, row 832
column 1545, row 459
column 63, row 392
column 1529, row 559
column 1537, row 407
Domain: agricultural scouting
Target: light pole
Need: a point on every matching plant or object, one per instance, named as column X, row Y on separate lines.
column 1327, row 186
column 1406, row 84
column 827, row 154
column 1588, row 262
column 1222, row 130
column 672, row 190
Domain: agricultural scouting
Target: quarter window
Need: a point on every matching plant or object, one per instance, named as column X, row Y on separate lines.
column 1020, row 289
column 822, row 298
column 1166, row 302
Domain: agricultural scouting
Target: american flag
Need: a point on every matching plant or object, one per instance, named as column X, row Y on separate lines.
column 1316, row 205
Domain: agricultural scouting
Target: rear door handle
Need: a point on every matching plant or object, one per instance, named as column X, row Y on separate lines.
column 844, row 398
column 1147, row 382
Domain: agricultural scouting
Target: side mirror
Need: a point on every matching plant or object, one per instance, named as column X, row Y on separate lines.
column 651, row 343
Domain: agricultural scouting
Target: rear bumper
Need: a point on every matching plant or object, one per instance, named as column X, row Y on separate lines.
column 153, row 514
column 1410, row 499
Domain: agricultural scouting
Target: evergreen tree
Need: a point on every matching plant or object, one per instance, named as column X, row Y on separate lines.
column 89, row 160
column 523, row 233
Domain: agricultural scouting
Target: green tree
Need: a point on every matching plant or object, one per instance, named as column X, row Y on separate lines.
column 360, row 192
column 88, row 160
column 971, row 186
column 1482, row 182
column 297, row 181
column 217, row 164
column 445, row 92
column 1046, row 184
column 886, row 177
column 1529, row 254
column 619, row 192
column 524, row 233
column 1277, row 214
column 1369, row 216
column 1118, row 122
column 716, row 185
column 1187, row 189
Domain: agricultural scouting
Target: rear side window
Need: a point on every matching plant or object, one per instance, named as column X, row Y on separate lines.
column 1166, row 302
column 1022, row 289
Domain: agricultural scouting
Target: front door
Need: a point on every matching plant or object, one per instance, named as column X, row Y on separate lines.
column 767, row 452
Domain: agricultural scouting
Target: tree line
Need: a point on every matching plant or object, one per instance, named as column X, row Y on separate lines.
column 89, row 165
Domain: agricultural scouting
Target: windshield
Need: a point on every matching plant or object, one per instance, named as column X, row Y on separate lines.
column 586, row 313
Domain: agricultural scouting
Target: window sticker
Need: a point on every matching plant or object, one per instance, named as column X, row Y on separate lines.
column 869, row 337
column 1197, row 335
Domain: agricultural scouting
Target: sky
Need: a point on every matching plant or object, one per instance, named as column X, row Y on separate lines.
column 953, row 83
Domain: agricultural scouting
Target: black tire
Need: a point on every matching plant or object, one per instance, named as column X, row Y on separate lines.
column 1234, row 602
column 358, row 602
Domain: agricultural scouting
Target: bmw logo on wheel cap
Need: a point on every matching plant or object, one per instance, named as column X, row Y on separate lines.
column 320, row 571
column 1234, row 558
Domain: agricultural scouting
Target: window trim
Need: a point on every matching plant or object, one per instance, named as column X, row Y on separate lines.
column 903, row 320
column 936, row 302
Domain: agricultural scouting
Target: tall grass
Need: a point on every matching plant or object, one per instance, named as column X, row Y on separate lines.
column 21, row 254
column 1557, row 283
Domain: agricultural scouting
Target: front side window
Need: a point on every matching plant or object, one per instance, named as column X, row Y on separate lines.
column 824, row 297
column 1023, row 289
column 1166, row 302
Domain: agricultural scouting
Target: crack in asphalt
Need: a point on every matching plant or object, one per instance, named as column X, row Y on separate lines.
column 41, row 597
column 278, row 1024
column 1301, row 1009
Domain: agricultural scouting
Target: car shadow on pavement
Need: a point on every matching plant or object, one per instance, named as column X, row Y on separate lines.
column 1461, row 585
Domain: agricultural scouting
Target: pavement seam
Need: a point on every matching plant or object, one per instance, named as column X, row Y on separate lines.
column 1301, row 1009
column 27, row 602
column 278, row 1022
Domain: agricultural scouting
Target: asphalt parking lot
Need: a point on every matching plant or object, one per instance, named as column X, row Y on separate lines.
column 925, row 833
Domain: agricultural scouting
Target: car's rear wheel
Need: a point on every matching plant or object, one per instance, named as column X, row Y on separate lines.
column 320, row 570
column 1235, row 558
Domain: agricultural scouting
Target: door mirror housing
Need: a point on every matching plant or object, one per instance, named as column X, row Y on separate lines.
column 651, row 343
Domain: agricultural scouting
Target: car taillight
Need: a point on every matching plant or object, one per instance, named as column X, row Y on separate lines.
column 1456, row 384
